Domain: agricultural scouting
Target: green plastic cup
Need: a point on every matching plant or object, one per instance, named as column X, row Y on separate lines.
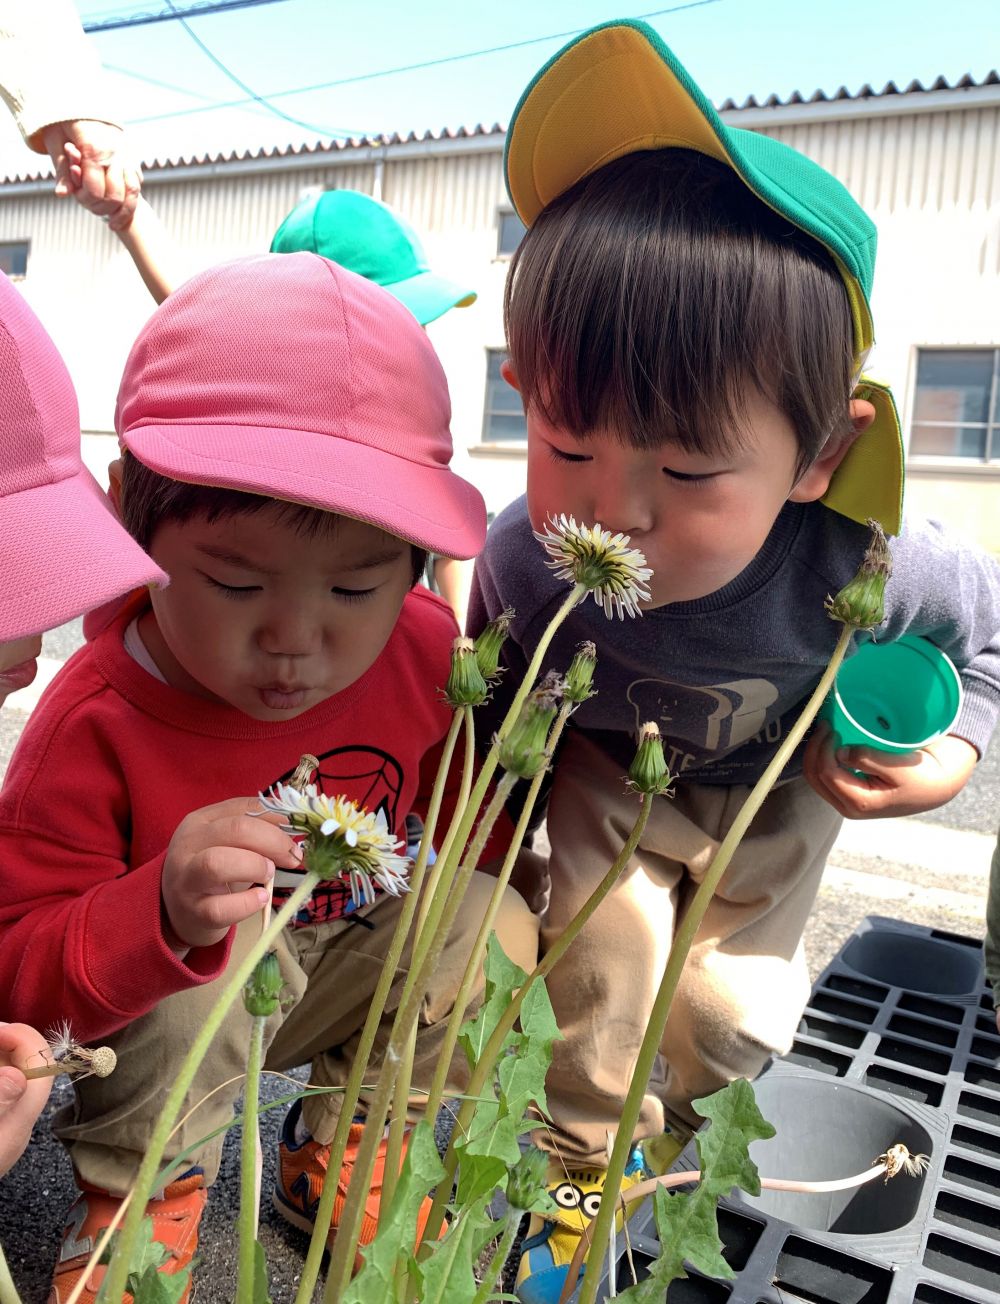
column 894, row 697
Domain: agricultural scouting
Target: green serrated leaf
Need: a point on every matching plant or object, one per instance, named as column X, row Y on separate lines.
column 478, row 1175
column 503, row 977
column 397, row 1231
column 686, row 1224
column 722, row 1148
column 155, row 1287
column 447, row 1276
column 493, row 1134
column 261, row 1285
column 148, row 1253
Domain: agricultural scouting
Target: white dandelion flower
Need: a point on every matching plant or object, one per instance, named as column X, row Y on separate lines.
column 342, row 840
column 602, row 562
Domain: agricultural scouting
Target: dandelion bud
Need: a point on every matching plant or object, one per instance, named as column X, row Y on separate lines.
column 526, row 1184
column 648, row 772
column 523, row 750
column 466, row 685
column 580, row 675
column 262, row 990
column 861, row 603
column 489, row 643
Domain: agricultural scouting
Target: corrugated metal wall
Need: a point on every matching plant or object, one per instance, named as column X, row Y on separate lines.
column 931, row 181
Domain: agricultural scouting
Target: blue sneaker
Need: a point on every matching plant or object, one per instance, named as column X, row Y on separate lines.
column 548, row 1248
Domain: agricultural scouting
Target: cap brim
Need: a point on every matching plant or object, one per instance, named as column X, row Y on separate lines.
column 429, row 296
column 68, row 555
column 619, row 89
column 430, row 506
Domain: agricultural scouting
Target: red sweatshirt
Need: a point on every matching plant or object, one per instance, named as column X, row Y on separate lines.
column 110, row 763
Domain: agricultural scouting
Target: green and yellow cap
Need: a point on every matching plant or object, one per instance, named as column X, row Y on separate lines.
column 618, row 89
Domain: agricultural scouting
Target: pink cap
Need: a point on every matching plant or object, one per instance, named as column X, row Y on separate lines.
column 288, row 376
column 62, row 550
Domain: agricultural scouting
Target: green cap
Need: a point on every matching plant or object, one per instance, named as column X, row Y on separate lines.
column 618, row 89
column 368, row 238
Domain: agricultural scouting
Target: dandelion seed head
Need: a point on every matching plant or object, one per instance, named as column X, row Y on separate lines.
column 103, row 1061
column 604, row 563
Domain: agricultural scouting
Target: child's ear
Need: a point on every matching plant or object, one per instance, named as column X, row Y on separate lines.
column 509, row 374
column 115, row 484
column 814, row 482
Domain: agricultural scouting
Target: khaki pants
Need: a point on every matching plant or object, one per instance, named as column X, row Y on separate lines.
column 330, row 972
column 745, row 981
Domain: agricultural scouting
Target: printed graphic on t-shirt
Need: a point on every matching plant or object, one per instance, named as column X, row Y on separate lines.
column 371, row 778
column 698, row 721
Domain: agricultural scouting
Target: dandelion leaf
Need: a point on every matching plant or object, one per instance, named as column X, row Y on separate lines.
column 522, row 1070
column 397, row 1231
column 261, row 1285
column 686, row 1224
column 447, row 1276
column 155, row 1287
column 503, row 977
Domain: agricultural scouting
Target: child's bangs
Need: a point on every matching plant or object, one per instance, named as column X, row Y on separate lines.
column 656, row 296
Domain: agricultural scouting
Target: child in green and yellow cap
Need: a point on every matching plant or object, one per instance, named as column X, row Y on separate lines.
column 687, row 318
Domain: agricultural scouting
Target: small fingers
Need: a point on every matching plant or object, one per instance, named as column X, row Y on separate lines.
column 223, row 910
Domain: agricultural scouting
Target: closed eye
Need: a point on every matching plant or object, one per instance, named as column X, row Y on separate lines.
column 686, row 477
column 558, row 455
column 352, row 595
column 232, row 590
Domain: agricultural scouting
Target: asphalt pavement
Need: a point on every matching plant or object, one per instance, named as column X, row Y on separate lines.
column 930, row 870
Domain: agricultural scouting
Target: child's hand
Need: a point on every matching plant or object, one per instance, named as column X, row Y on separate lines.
column 214, row 864
column 893, row 783
column 21, row 1101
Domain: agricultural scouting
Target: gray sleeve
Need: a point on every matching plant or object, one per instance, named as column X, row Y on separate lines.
column 949, row 591
column 991, row 945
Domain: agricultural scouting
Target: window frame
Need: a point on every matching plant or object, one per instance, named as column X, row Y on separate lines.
column 18, row 244
column 505, row 211
column 991, row 426
column 486, row 439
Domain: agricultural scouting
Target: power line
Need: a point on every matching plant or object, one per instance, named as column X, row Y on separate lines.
column 169, row 15
column 409, row 67
column 254, row 97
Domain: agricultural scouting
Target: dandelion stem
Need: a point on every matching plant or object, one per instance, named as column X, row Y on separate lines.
column 437, row 931
column 491, row 1052
column 249, row 1166
column 114, row 1282
column 8, row 1291
column 352, row 1091
column 669, row 1180
column 475, row 960
column 404, row 1076
column 686, row 932
column 492, row 1276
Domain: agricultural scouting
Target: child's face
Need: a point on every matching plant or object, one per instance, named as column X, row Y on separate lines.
column 700, row 519
column 269, row 620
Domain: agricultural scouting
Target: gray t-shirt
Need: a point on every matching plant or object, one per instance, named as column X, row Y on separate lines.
column 726, row 676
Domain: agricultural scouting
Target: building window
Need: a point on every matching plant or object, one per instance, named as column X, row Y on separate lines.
column 956, row 407
column 503, row 415
column 510, row 232
column 14, row 258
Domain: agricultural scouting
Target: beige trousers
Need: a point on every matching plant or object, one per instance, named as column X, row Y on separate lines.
column 745, row 982
column 330, row 972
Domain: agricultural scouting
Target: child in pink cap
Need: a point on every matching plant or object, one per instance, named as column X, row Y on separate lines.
column 61, row 553
column 286, row 434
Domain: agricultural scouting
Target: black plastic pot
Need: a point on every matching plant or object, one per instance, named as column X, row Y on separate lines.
column 898, row 1043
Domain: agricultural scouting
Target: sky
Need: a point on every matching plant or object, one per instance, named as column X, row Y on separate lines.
column 733, row 48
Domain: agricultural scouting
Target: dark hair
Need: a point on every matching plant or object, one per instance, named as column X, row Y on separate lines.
column 652, row 296
column 149, row 500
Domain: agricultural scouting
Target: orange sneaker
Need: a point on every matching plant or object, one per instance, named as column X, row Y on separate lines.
column 302, row 1168
column 175, row 1224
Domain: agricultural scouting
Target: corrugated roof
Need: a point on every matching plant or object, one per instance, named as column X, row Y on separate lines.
column 317, row 148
